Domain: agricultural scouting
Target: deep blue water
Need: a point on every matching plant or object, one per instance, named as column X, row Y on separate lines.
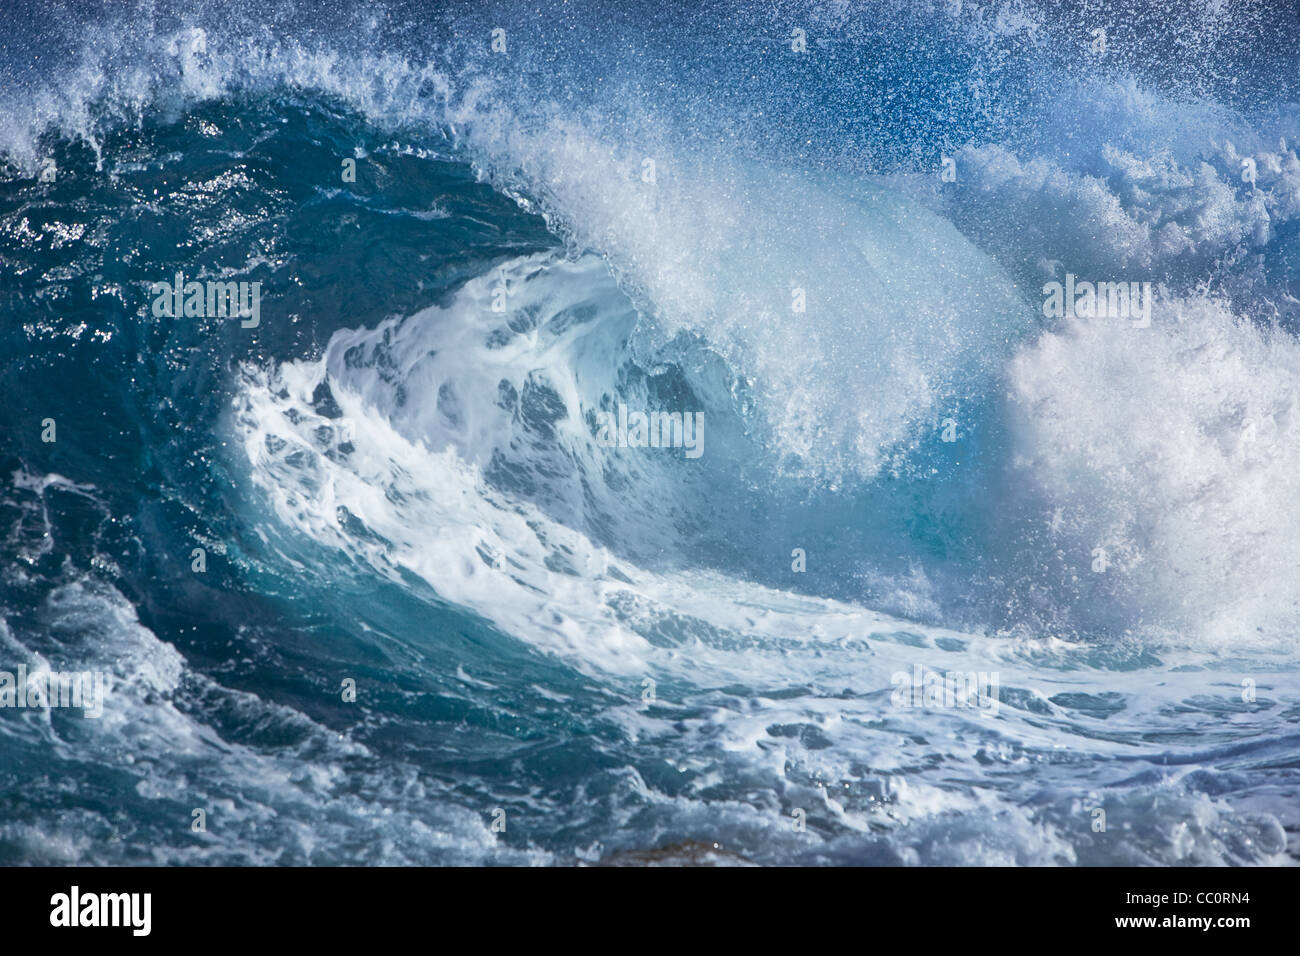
column 396, row 483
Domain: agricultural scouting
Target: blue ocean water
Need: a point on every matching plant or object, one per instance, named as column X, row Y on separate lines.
column 566, row 653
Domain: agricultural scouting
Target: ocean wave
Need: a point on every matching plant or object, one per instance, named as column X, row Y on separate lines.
column 411, row 469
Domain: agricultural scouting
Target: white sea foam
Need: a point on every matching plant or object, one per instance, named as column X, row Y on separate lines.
column 1177, row 450
column 406, row 495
